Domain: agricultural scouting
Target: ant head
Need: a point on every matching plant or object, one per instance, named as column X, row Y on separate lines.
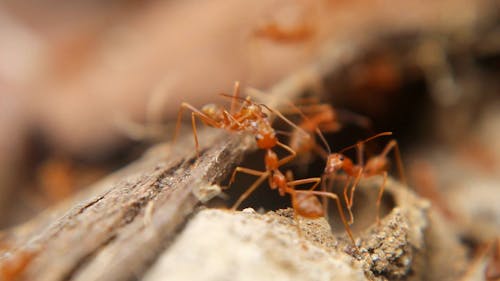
column 212, row 110
column 266, row 139
column 335, row 162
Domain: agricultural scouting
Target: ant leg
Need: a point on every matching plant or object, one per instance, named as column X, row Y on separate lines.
column 316, row 182
column 379, row 197
column 205, row 118
column 232, row 119
column 178, row 123
column 351, row 198
column 195, row 134
column 246, row 171
column 252, row 188
column 324, row 188
column 289, row 157
column 365, row 141
column 360, row 149
column 282, row 117
column 195, row 112
column 339, row 207
column 393, row 144
column 347, row 201
column 345, row 190
column 295, row 215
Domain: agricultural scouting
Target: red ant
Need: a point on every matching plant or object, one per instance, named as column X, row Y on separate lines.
column 320, row 118
column 304, row 202
column 250, row 118
column 376, row 165
column 276, row 33
column 216, row 116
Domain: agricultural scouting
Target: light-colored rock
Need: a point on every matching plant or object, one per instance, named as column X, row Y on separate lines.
column 222, row 245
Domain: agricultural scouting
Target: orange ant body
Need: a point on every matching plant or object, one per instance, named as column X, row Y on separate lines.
column 376, row 165
column 278, row 34
column 249, row 118
column 216, row 116
column 304, row 202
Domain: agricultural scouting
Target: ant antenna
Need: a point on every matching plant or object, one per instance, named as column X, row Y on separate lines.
column 322, row 137
column 235, row 97
column 366, row 140
column 284, row 119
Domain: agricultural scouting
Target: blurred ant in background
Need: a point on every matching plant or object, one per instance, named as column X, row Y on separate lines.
column 319, row 118
column 276, row 33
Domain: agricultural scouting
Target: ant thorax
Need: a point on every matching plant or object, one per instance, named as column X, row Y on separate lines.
column 271, row 160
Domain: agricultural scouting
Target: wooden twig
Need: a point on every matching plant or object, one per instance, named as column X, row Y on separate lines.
column 116, row 228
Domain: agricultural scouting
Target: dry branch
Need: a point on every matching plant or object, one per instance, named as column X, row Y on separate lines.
column 117, row 227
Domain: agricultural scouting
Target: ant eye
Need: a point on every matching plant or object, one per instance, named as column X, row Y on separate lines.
column 341, row 158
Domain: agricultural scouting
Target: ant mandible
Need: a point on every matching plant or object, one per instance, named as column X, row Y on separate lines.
column 376, row 165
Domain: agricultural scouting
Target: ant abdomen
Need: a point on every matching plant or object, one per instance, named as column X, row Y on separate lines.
column 308, row 206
